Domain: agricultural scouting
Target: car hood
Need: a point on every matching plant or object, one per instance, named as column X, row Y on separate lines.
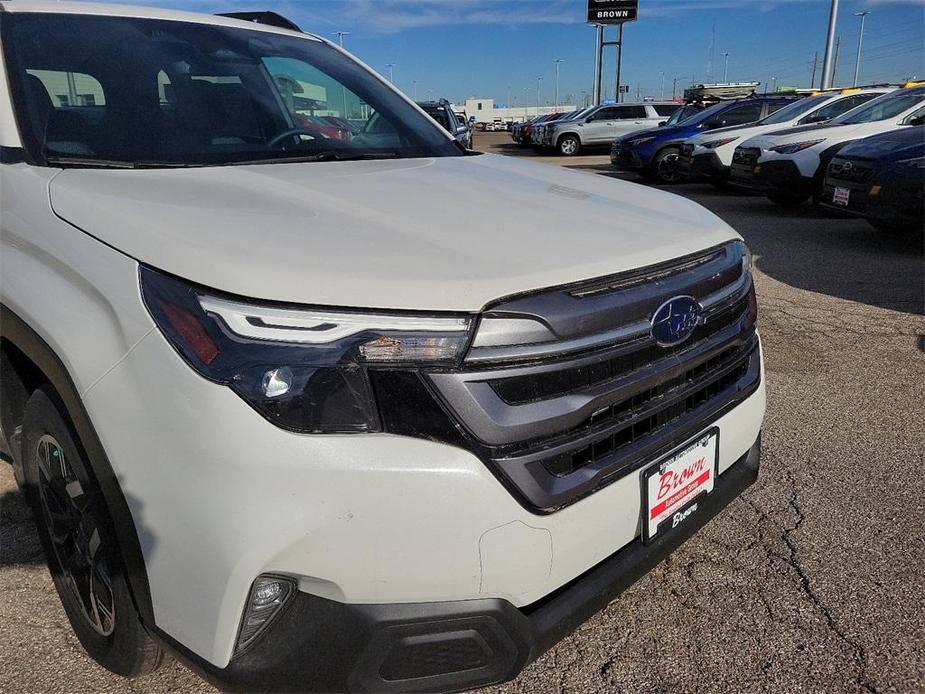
column 904, row 143
column 831, row 133
column 450, row 233
column 662, row 132
column 740, row 131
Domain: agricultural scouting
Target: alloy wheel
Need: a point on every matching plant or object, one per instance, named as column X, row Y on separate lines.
column 75, row 536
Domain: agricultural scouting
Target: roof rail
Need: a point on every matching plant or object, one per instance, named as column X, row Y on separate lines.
column 266, row 17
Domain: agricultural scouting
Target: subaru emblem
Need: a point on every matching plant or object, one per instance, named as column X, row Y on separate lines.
column 675, row 320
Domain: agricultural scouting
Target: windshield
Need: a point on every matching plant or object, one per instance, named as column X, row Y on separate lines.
column 682, row 114
column 887, row 106
column 120, row 91
column 795, row 110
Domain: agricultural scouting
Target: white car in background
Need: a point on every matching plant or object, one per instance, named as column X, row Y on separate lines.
column 788, row 165
column 710, row 154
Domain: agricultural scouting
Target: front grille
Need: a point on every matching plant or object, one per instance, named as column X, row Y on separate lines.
column 746, row 155
column 556, row 422
column 650, row 411
column 850, row 170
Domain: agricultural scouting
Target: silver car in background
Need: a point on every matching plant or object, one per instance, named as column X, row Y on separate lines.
column 600, row 125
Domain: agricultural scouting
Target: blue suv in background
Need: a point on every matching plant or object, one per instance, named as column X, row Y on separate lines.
column 654, row 153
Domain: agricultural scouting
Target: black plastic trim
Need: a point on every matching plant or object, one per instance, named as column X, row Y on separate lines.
column 18, row 332
column 319, row 645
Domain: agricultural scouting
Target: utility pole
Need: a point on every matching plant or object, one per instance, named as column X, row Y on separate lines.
column 857, row 60
column 725, row 67
column 618, row 97
column 812, row 81
column 829, row 41
column 674, row 87
column 835, row 61
column 661, row 91
column 598, row 63
column 557, row 61
column 390, row 66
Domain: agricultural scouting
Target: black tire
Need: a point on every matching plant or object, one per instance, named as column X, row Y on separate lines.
column 789, row 199
column 664, row 169
column 568, row 145
column 117, row 640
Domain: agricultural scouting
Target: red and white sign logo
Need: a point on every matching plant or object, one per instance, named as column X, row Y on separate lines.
column 678, row 481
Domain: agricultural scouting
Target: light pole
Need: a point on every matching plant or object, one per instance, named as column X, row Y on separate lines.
column 340, row 36
column 857, row 60
column 557, row 61
column 661, row 91
column 725, row 67
column 538, row 80
column 773, row 84
column 829, row 42
column 390, row 66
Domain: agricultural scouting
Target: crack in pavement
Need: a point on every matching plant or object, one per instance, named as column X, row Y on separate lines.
column 793, row 561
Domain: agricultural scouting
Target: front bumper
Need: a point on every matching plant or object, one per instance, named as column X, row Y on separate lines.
column 771, row 177
column 327, row 646
column 891, row 197
column 703, row 165
column 625, row 158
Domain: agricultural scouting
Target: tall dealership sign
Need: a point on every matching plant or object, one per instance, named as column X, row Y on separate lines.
column 601, row 13
column 612, row 11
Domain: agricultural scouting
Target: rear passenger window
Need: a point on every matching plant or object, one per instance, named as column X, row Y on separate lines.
column 70, row 88
column 742, row 114
column 665, row 109
column 630, row 112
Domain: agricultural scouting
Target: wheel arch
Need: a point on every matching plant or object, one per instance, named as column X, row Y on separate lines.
column 573, row 133
column 27, row 362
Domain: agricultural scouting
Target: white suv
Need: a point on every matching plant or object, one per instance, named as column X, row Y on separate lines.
column 710, row 154
column 272, row 417
column 789, row 165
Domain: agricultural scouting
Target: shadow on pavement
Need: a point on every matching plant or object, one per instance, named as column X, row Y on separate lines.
column 19, row 542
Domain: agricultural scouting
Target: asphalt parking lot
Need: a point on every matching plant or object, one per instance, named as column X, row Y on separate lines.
column 812, row 581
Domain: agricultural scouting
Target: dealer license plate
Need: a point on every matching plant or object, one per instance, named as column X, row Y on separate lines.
column 840, row 196
column 673, row 488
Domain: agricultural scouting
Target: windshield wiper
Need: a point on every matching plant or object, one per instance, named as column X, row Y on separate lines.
column 87, row 163
column 327, row 155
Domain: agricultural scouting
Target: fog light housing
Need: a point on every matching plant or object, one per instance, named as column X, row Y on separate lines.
column 268, row 596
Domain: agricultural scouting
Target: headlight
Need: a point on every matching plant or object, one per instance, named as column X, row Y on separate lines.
column 746, row 256
column 796, row 146
column 713, row 144
column 915, row 162
column 640, row 141
column 304, row 369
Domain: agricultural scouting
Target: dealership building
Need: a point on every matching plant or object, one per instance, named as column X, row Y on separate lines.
column 485, row 111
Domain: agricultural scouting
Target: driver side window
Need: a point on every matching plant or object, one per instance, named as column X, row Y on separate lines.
column 319, row 103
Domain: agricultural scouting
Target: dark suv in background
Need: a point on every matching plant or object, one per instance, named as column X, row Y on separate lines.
column 881, row 178
column 442, row 112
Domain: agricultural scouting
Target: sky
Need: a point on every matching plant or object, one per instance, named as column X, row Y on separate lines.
column 498, row 48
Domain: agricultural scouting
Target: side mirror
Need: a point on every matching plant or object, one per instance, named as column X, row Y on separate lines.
column 918, row 120
column 714, row 124
column 662, row 123
column 462, row 129
column 815, row 119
